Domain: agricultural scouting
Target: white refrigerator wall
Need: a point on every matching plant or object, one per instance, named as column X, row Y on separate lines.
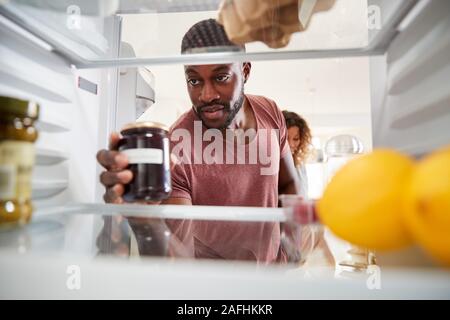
column 73, row 122
column 73, row 125
column 410, row 84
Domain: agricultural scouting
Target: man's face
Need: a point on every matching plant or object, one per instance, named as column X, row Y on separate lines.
column 216, row 92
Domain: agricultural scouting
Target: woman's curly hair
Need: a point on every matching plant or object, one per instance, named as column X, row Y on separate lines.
column 294, row 120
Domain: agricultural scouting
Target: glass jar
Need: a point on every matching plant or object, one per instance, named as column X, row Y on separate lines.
column 17, row 156
column 146, row 145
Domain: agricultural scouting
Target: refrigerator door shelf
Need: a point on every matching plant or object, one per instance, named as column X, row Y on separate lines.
column 88, row 47
column 49, row 188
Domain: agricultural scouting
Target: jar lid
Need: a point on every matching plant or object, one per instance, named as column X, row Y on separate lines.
column 19, row 108
column 145, row 125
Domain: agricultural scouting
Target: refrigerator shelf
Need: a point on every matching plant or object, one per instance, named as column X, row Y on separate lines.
column 220, row 213
column 47, row 157
column 154, row 278
column 48, row 188
column 77, row 47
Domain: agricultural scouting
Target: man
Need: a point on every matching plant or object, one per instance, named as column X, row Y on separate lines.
column 242, row 126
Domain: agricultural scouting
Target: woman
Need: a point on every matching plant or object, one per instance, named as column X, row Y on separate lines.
column 299, row 137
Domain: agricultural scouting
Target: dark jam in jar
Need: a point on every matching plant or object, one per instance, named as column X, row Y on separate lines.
column 146, row 145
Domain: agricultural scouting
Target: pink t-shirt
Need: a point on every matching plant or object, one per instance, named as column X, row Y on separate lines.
column 215, row 170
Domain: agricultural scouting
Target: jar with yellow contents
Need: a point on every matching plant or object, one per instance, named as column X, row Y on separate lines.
column 17, row 156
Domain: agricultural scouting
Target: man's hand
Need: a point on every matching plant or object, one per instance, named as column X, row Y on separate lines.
column 116, row 174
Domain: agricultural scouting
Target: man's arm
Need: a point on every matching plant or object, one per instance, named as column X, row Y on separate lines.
column 288, row 181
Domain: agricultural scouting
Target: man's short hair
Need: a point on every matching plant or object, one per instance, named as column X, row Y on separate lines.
column 208, row 34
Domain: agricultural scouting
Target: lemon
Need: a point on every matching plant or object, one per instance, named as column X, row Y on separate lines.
column 427, row 205
column 362, row 203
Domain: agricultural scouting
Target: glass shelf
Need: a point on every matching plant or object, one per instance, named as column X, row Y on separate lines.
column 220, row 213
column 96, row 240
column 88, row 33
column 195, row 232
column 39, row 259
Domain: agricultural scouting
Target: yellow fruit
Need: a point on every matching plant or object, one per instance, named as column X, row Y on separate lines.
column 362, row 203
column 427, row 205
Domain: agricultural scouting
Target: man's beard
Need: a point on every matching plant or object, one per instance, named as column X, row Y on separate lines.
column 232, row 112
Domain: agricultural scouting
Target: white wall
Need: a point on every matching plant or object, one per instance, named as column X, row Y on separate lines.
column 332, row 94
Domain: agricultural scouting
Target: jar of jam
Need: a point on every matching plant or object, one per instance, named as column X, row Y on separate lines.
column 146, row 145
column 17, row 156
